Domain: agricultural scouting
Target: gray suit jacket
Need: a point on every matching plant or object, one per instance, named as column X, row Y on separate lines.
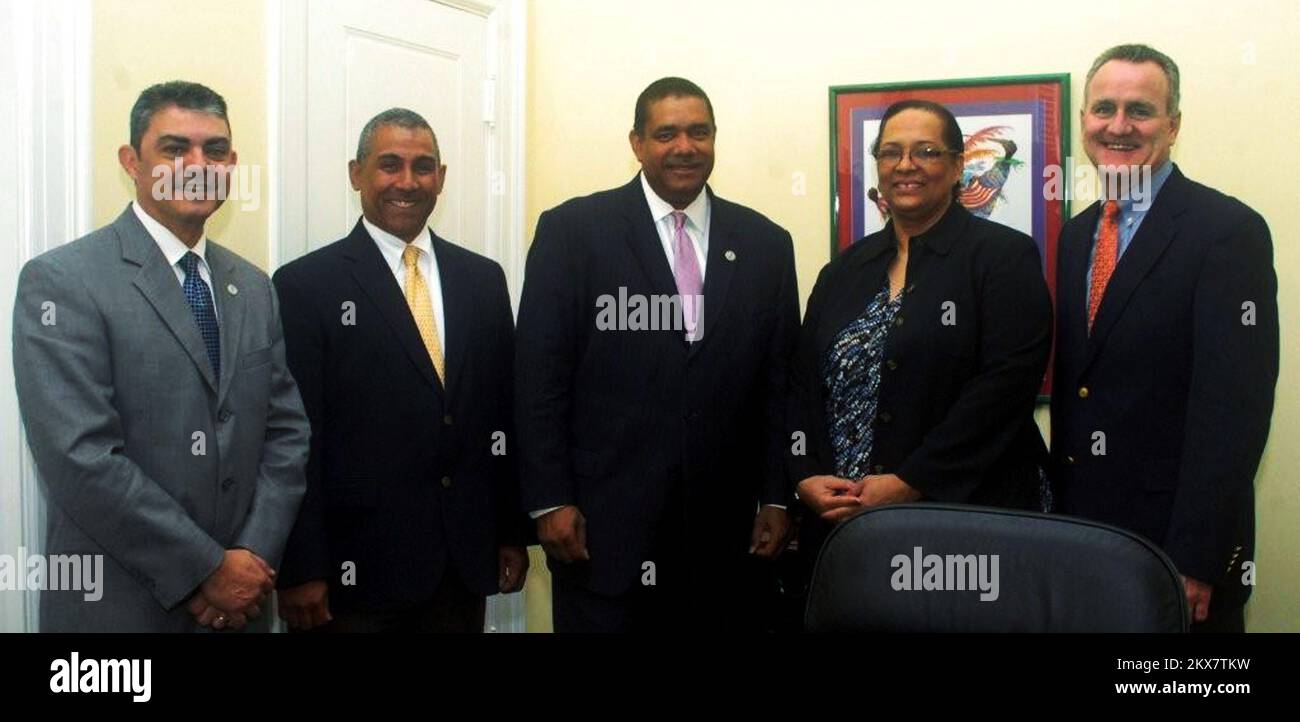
column 145, row 457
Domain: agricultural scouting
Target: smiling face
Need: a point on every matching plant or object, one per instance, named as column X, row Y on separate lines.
column 916, row 190
column 676, row 148
column 1126, row 118
column 399, row 180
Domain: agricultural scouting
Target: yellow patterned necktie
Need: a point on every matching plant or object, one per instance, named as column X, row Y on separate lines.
column 417, row 297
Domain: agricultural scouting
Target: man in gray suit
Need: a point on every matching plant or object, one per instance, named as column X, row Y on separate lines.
column 151, row 375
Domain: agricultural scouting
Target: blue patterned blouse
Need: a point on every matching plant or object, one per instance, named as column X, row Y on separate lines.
column 851, row 372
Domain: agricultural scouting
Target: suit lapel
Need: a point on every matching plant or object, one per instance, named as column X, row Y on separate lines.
column 1071, row 294
column 1150, row 242
column 230, row 313
column 157, row 281
column 376, row 280
column 724, row 255
column 644, row 240
column 457, row 312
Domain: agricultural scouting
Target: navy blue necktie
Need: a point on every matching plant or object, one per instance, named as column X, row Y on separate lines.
column 200, row 300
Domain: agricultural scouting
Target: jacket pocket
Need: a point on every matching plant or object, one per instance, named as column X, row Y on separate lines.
column 253, row 359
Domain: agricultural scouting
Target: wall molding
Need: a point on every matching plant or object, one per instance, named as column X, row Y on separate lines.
column 46, row 71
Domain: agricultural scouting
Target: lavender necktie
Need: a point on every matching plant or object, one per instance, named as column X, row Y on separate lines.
column 690, row 284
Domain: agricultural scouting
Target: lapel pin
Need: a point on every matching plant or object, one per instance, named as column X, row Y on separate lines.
column 230, row 288
column 729, row 255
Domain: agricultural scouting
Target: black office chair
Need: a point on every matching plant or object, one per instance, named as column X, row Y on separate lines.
column 982, row 569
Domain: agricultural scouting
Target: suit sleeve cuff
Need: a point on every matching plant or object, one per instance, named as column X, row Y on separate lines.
column 543, row 512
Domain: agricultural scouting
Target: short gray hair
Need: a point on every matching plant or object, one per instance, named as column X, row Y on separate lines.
column 400, row 117
column 1137, row 53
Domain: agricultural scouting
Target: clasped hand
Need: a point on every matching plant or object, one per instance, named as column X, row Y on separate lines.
column 233, row 594
column 835, row 499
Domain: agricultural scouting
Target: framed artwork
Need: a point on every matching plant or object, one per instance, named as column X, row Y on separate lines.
column 1015, row 130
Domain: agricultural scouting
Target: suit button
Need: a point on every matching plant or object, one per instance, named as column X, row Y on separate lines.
column 891, row 364
column 1083, row 392
column 898, row 320
column 446, row 420
column 224, row 415
column 885, row 417
column 1069, row 461
column 446, row 482
column 226, row 484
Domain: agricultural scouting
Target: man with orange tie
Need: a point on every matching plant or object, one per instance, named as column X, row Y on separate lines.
column 1167, row 344
column 403, row 346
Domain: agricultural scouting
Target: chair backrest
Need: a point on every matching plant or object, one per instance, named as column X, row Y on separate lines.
column 953, row 568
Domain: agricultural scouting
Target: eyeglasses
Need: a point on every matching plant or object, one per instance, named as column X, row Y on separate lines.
column 921, row 155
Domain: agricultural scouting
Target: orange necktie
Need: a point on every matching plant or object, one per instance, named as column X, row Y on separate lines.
column 1104, row 257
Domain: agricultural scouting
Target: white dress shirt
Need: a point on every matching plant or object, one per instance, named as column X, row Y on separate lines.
column 697, row 224
column 173, row 249
column 392, row 248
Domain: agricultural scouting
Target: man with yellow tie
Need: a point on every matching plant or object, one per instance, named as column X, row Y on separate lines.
column 402, row 344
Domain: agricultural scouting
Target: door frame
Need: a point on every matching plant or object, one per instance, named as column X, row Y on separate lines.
column 44, row 203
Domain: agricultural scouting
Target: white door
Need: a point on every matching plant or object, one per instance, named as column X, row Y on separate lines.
column 458, row 63
column 366, row 57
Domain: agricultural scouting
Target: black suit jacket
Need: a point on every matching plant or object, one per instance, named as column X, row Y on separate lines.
column 402, row 480
column 958, row 382
column 618, row 421
column 1173, row 375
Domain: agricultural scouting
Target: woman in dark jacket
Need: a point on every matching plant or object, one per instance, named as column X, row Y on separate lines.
column 923, row 346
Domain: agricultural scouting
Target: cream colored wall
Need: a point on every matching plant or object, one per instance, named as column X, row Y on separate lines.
column 137, row 43
column 767, row 66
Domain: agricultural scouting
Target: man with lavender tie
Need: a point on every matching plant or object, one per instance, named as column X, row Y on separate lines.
column 654, row 333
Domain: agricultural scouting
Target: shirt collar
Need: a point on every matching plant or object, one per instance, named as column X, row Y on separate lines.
column 392, row 246
column 1158, row 179
column 173, row 248
column 939, row 238
column 697, row 212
